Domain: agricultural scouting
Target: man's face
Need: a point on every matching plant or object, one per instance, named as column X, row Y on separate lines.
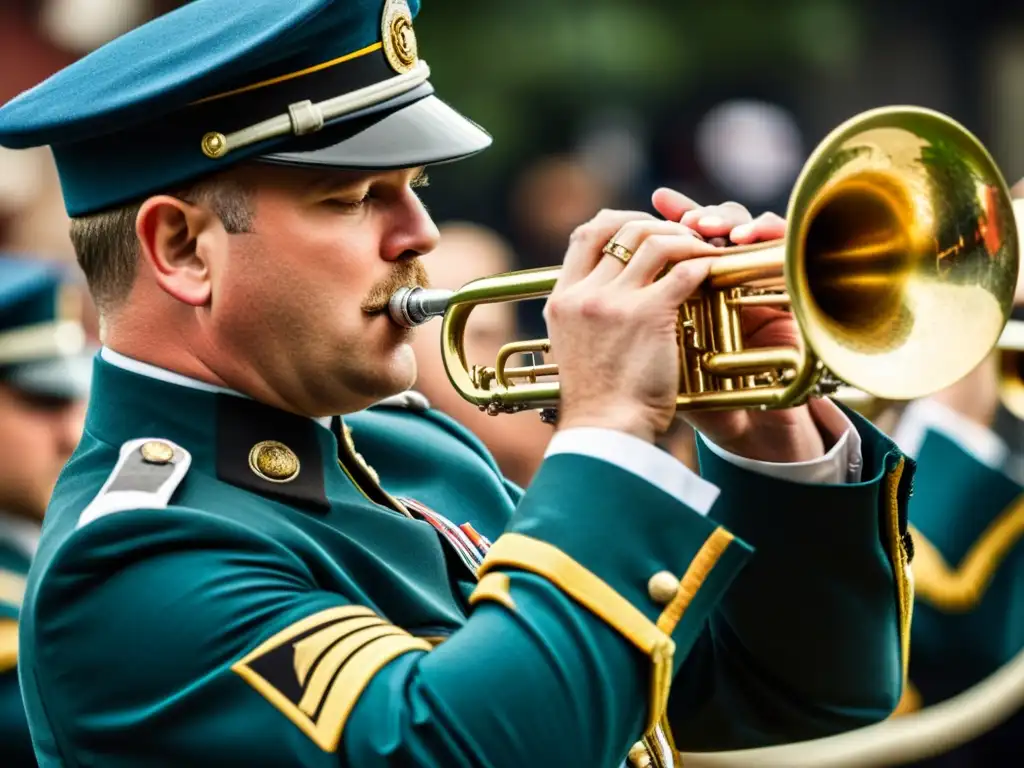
column 301, row 301
column 37, row 437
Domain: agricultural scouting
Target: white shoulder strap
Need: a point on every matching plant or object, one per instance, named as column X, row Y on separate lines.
column 147, row 473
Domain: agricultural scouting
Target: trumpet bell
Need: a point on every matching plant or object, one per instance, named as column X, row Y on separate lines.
column 903, row 251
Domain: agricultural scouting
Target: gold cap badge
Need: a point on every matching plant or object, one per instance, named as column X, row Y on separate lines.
column 398, row 36
column 274, row 461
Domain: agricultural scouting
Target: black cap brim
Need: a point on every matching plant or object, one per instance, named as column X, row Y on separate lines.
column 413, row 130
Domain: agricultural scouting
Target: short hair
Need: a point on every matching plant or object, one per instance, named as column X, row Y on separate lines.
column 108, row 250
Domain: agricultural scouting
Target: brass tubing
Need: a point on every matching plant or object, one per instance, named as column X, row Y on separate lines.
column 515, row 348
column 765, row 300
column 752, row 361
column 743, row 266
column 692, row 315
column 519, row 286
column 530, row 372
column 722, row 330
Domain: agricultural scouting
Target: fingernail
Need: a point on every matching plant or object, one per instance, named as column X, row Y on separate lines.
column 710, row 221
column 743, row 230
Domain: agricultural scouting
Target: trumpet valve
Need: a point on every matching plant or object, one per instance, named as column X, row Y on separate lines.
column 482, row 376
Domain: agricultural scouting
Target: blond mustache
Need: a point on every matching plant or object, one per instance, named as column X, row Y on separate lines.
column 408, row 274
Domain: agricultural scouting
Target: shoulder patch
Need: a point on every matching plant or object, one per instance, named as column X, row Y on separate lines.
column 147, row 473
column 412, row 401
column 315, row 670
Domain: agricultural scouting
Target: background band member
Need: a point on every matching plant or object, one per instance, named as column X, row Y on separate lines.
column 43, row 385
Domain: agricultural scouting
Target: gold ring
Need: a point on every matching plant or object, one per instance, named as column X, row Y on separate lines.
column 618, row 251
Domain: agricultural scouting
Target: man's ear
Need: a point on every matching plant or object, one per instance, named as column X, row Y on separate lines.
column 168, row 230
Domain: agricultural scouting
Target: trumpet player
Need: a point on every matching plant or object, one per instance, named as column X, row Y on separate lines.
column 259, row 555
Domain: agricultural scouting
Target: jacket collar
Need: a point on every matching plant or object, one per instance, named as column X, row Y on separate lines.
column 243, row 442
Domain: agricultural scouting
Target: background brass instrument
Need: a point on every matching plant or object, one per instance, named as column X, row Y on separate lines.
column 919, row 735
column 899, row 264
column 1010, row 349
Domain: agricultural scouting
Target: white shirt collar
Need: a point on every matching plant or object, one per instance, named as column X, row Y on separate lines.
column 162, row 374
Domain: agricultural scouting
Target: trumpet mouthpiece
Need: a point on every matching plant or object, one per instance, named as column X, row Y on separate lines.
column 410, row 307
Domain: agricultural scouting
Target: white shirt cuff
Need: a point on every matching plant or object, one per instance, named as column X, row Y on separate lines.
column 843, row 463
column 641, row 458
column 923, row 415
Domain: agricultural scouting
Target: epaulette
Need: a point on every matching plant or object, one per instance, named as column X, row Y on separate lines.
column 412, row 401
column 146, row 475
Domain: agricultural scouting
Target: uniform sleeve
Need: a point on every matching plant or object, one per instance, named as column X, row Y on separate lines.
column 812, row 638
column 216, row 646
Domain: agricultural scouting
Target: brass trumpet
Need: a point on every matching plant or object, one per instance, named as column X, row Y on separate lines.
column 899, row 265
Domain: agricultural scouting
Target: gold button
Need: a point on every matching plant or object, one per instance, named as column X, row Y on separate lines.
column 274, row 461
column 639, row 757
column 214, row 145
column 156, row 452
column 663, row 587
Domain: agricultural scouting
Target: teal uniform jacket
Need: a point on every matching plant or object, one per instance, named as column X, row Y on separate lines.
column 219, row 583
column 15, row 742
column 967, row 520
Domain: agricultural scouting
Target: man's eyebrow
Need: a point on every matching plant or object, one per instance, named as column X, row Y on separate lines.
column 420, row 179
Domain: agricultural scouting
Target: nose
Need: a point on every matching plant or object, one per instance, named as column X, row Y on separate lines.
column 413, row 232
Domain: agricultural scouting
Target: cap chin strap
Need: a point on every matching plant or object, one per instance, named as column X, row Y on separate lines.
column 305, row 117
column 898, row 740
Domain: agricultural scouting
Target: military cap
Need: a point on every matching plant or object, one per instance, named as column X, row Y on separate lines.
column 42, row 346
column 308, row 83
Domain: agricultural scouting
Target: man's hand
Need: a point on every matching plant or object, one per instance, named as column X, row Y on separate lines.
column 613, row 325
column 785, row 435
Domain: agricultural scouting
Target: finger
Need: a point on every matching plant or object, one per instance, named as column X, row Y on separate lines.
column 717, row 220
column 767, row 226
column 681, row 281
column 672, row 204
column 632, row 236
column 588, row 239
column 659, row 251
